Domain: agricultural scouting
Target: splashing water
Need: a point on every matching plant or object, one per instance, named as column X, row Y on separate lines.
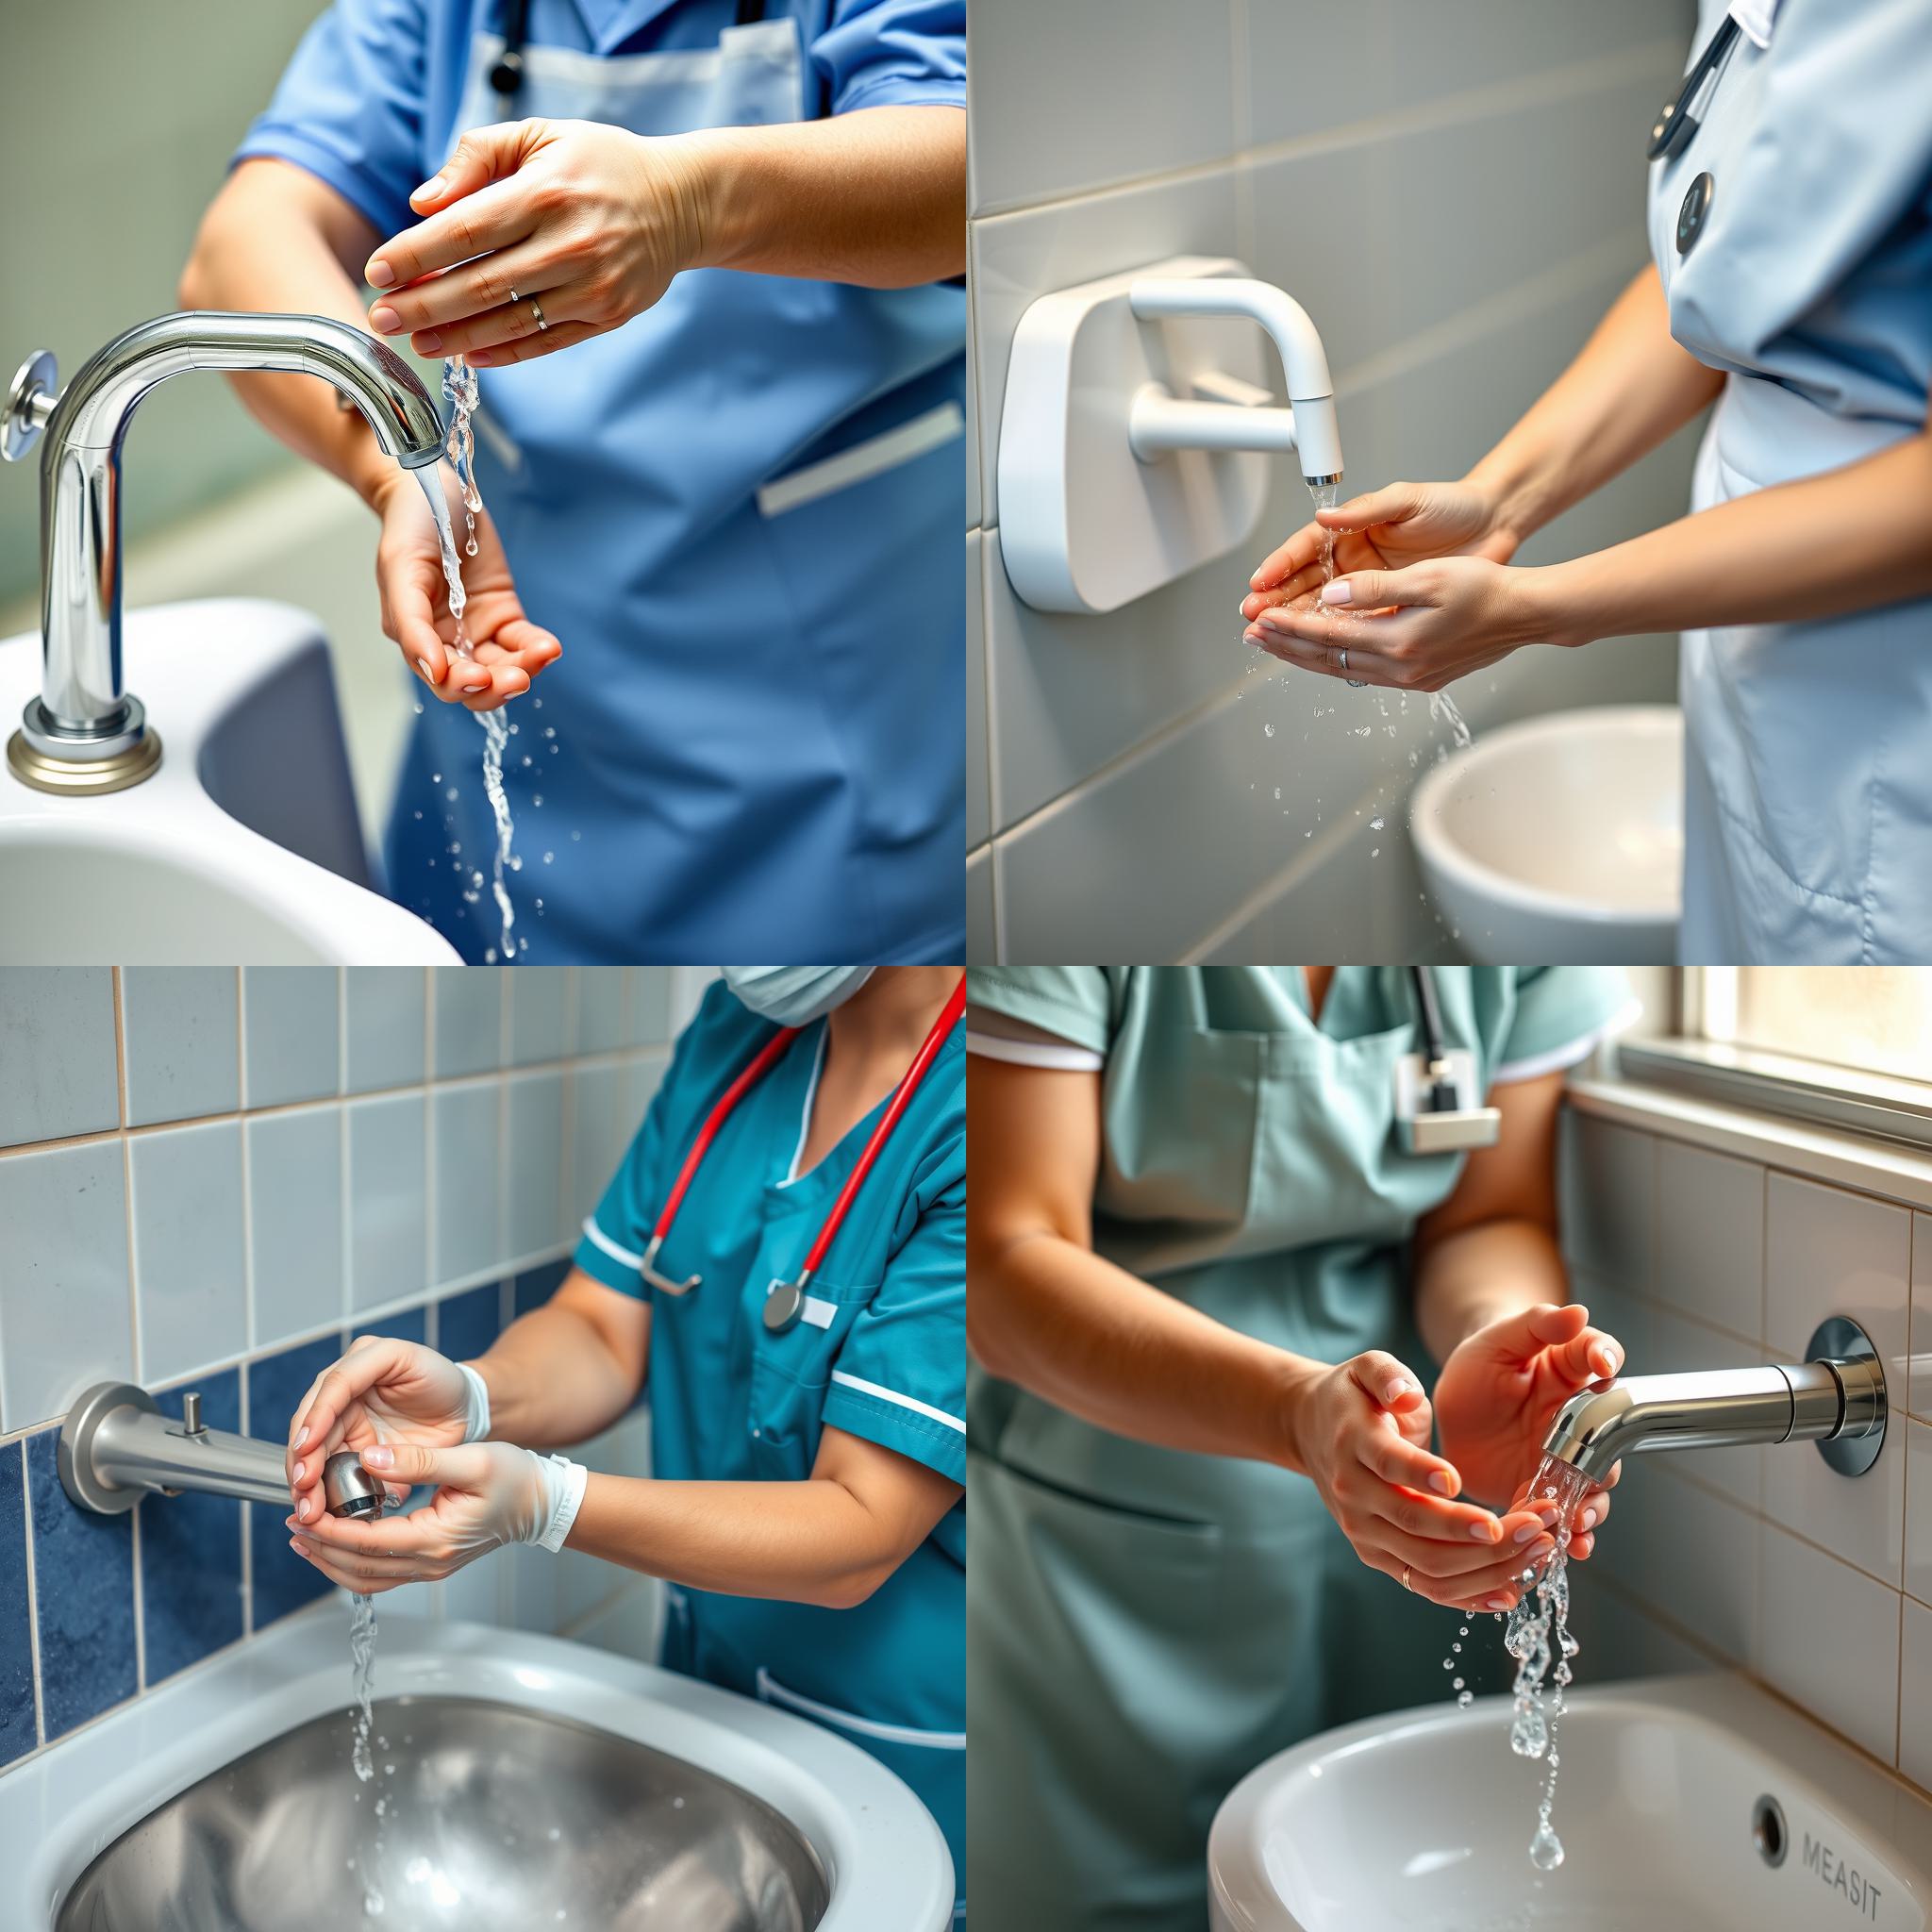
column 460, row 391
column 1538, row 1636
column 1442, row 709
column 361, row 1680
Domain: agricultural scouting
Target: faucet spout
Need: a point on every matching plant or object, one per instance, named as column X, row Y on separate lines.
column 116, row 1447
column 85, row 733
column 1836, row 1401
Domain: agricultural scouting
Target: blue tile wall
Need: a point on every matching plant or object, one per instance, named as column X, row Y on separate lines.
column 83, row 1598
column 410, row 1325
column 59, row 1070
column 283, row 1582
column 292, row 1030
column 191, row 1551
column 536, row 1287
column 16, row 1637
column 181, row 1040
column 385, row 1045
column 467, row 1323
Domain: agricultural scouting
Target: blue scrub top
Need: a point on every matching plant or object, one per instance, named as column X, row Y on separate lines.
column 732, row 1403
column 752, row 736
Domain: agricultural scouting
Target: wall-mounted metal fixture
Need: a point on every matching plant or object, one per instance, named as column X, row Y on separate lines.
column 1836, row 1398
column 116, row 1447
column 1137, row 427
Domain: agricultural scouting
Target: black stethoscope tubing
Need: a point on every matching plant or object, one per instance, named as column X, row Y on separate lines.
column 507, row 74
column 1671, row 133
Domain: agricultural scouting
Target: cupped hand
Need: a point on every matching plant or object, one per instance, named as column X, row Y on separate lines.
column 590, row 220
column 1414, row 629
column 1500, row 1391
column 1382, row 530
column 487, row 1493
column 382, row 1393
column 506, row 650
column 1362, row 1434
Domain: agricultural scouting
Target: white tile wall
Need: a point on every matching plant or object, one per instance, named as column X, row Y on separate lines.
column 1919, row 1398
column 1763, row 1558
column 1369, row 160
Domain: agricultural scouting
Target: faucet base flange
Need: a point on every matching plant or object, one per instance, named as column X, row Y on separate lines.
column 74, row 1454
column 1861, row 1383
column 83, row 777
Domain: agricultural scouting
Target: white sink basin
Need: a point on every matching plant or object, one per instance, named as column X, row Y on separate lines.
column 242, row 849
column 1421, row 1823
column 1560, row 839
column 885, row 1859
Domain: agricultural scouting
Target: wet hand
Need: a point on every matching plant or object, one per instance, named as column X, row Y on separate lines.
column 1362, row 1434
column 506, row 650
column 1500, row 1391
column 383, row 1392
column 487, row 1494
column 584, row 222
column 1414, row 629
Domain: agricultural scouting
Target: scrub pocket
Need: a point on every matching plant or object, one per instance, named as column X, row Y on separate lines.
column 789, row 1374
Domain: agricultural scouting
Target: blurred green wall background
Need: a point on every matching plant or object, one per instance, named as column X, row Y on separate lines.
column 121, row 116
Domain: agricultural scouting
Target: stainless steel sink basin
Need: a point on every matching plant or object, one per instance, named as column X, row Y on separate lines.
column 494, row 1817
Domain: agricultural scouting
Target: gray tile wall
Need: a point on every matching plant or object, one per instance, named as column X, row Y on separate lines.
column 212, row 1178
column 1455, row 195
column 1761, row 1558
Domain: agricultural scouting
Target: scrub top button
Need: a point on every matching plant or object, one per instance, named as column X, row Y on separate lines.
column 782, row 1306
column 1691, row 217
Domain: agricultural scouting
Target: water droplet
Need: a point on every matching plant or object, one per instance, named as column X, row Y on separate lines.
column 1545, row 1848
column 1267, row 731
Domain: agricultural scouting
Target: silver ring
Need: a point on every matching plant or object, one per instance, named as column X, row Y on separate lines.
column 1344, row 660
column 514, row 298
column 537, row 313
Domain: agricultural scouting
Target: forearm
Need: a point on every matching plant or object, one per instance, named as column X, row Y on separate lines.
column 552, row 1380
column 1849, row 539
column 1481, row 1275
column 808, row 1542
column 1106, row 1346
column 876, row 198
column 1632, row 387
column 270, row 243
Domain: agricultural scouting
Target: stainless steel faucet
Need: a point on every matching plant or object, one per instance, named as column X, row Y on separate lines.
column 1836, row 1399
column 84, row 733
column 116, row 1447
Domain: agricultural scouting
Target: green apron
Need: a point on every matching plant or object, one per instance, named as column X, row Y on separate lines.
column 1143, row 1626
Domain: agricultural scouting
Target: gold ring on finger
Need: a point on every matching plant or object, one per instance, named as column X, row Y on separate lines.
column 1405, row 1583
column 536, row 310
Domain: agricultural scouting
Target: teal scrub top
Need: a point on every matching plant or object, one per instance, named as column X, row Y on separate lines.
column 881, row 1356
column 1146, row 1625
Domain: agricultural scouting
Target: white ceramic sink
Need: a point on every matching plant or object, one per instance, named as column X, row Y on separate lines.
column 884, row 1859
column 242, row 849
column 1559, row 838
column 1421, row 1823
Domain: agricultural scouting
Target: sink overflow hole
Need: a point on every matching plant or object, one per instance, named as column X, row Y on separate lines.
column 1768, row 1830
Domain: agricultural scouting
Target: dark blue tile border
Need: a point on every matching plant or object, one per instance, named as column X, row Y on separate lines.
column 466, row 1324
column 191, row 1552
column 83, row 1598
column 17, row 1729
column 536, row 1287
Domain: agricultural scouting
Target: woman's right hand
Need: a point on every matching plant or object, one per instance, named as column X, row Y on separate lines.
column 1384, row 530
column 506, row 650
column 382, row 1391
column 1362, row 1434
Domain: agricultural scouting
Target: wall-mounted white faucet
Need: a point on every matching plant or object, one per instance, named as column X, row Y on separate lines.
column 1136, row 428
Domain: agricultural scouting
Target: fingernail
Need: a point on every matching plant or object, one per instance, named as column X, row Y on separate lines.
column 1611, row 1361
column 423, row 665
column 384, row 320
column 1339, row 591
column 1590, row 1518
column 301, row 1469
column 379, row 1457
column 1397, row 1390
column 429, row 190
column 1499, row 1603
column 470, row 689
column 1528, row 1530
column 297, row 1547
column 301, row 1435
column 429, row 341
column 1484, row 1532
column 481, row 359
column 378, row 274
column 1440, row 1482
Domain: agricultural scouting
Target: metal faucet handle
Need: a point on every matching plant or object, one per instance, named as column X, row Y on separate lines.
column 31, row 402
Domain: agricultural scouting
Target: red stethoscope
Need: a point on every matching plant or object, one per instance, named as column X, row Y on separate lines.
column 784, row 1301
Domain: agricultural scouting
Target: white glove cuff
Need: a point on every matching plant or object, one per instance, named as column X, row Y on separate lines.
column 563, row 1490
column 477, row 1412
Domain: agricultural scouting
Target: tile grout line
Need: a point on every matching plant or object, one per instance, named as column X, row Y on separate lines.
column 247, row 1517
column 248, row 1187
column 127, row 1182
column 33, row 1604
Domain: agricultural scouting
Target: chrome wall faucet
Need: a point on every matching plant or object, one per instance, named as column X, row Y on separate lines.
column 85, row 733
column 1836, row 1399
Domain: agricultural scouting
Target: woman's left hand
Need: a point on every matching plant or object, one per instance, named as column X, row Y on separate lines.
column 1415, row 629
column 1499, row 1392
column 487, row 1493
column 582, row 222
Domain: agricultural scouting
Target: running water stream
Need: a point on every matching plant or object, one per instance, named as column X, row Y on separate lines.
column 460, row 391
column 361, row 1757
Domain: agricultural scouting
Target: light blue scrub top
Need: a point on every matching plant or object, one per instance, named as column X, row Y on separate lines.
column 1809, row 767
column 731, row 1402
column 756, row 741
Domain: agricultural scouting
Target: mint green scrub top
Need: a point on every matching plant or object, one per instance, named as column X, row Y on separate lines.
column 1145, row 1625
column 880, row 1353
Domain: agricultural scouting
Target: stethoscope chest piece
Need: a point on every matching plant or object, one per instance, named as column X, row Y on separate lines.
column 1695, row 212
column 784, row 1304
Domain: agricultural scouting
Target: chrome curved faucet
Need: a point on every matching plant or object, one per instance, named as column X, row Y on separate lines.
column 1837, row 1400
column 85, row 733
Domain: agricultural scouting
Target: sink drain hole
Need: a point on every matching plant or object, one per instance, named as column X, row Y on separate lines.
column 1768, row 1831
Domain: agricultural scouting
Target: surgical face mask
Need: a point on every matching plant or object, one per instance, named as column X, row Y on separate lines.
column 795, row 995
